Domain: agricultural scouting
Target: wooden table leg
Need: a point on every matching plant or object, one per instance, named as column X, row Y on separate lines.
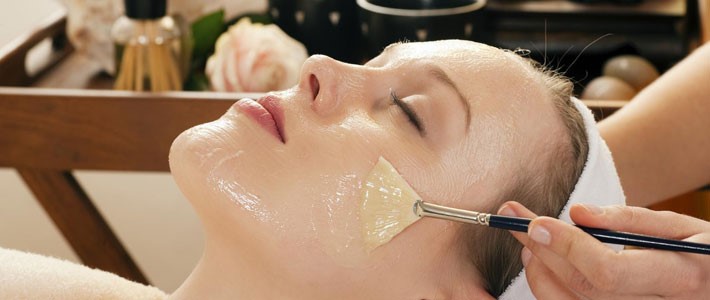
column 80, row 222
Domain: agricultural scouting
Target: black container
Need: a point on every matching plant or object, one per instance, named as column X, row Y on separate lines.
column 383, row 22
column 327, row 27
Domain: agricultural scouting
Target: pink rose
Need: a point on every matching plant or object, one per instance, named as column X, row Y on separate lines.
column 255, row 58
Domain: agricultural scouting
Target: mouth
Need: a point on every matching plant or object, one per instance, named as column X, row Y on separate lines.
column 266, row 112
column 315, row 85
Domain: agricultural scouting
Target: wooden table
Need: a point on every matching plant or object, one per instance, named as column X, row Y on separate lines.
column 63, row 119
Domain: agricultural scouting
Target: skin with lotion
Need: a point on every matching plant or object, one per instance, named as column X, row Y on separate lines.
column 280, row 198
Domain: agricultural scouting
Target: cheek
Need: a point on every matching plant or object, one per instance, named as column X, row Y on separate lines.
column 334, row 160
column 296, row 200
column 223, row 169
column 341, row 156
column 304, row 196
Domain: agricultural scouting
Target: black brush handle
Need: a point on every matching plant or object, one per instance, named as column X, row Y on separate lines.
column 608, row 236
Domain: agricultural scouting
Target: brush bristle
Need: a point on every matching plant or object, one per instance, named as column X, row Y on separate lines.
column 387, row 206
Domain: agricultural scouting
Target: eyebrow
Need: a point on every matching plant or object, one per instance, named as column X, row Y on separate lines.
column 441, row 76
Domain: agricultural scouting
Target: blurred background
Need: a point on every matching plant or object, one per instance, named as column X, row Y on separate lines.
column 146, row 210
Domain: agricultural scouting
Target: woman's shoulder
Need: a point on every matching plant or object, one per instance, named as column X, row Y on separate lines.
column 26, row 275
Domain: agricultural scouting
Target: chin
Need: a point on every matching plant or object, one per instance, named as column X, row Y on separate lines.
column 195, row 150
column 191, row 147
column 186, row 156
column 228, row 150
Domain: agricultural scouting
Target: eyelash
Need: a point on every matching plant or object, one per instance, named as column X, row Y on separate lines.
column 413, row 118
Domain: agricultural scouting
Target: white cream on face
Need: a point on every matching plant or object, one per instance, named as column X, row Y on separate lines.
column 387, row 205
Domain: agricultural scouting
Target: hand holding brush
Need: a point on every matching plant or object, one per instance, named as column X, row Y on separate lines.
column 560, row 259
column 424, row 209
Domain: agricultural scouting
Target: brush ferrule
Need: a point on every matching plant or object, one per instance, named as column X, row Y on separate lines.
column 424, row 209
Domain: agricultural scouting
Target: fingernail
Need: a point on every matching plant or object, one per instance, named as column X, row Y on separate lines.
column 525, row 256
column 507, row 211
column 593, row 209
column 540, row 234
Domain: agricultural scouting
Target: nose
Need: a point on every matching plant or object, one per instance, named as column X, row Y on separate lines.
column 332, row 85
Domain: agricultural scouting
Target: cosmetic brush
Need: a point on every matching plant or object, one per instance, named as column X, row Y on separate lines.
column 387, row 210
column 424, row 209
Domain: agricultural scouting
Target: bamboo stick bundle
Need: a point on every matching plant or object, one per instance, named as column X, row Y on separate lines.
column 148, row 62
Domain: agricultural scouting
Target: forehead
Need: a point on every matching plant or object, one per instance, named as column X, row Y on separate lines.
column 444, row 48
column 503, row 89
column 464, row 58
column 481, row 72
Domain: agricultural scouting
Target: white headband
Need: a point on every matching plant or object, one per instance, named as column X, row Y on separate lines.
column 599, row 184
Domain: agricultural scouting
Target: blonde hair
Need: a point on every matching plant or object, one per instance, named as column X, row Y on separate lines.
column 545, row 191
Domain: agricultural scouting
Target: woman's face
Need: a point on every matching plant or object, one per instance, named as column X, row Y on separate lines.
column 287, row 195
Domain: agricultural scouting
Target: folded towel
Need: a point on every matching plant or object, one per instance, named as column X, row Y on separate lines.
column 31, row 276
column 599, row 184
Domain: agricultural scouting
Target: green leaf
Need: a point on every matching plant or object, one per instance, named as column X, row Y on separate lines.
column 260, row 18
column 197, row 82
column 205, row 32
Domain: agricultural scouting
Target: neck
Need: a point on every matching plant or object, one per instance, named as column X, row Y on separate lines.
column 220, row 275
column 228, row 271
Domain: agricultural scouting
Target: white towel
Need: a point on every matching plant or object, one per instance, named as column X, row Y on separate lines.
column 599, row 184
column 31, row 276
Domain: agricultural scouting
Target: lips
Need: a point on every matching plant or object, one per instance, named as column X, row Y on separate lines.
column 266, row 112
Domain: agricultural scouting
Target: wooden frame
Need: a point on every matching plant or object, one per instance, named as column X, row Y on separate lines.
column 45, row 134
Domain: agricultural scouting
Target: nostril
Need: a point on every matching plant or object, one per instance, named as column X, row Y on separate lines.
column 315, row 86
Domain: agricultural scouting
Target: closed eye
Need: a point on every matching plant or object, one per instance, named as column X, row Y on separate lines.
column 407, row 109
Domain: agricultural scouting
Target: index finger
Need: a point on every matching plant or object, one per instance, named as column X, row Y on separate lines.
column 515, row 209
column 631, row 272
column 638, row 220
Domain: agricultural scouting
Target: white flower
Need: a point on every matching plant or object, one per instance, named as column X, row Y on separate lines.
column 89, row 28
column 255, row 58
